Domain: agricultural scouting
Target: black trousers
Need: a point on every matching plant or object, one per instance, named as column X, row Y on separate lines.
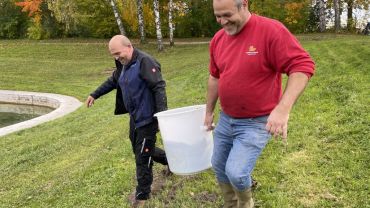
column 143, row 145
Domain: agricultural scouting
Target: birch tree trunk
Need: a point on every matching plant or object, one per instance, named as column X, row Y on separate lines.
column 140, row 18
column 322, row 25
column 170, row 23
column 117, row 16
column 158, row 25
column 336, row 16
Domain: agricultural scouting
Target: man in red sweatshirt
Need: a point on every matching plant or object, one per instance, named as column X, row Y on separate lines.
column 247, row 59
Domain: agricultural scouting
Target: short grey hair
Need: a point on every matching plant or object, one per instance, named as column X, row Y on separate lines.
column 238, row 3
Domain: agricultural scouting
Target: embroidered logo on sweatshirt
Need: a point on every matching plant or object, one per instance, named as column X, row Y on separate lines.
column 252, row 51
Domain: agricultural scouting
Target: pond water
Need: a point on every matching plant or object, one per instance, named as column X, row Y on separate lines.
column 14, row 113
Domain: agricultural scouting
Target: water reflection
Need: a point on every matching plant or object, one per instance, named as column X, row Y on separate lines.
column 14, row 113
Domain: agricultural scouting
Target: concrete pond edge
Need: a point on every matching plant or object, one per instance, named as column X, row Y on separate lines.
column 62, row 104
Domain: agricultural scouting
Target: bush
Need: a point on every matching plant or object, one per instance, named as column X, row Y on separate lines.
column 13, row 21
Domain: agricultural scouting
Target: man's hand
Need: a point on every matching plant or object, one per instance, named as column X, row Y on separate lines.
column 89, row 101
column 208, row 122
column 277, row 122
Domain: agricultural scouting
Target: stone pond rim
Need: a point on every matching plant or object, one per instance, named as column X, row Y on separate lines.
column 62, row 104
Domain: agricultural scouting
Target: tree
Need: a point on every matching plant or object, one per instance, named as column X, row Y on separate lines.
column 140, row 18
column 66, row 12
column 117, row 17
column 158, row 25
column 13, row 21
column 94, row 18
column 32, row 7
column 269, row 8
column 322, row 15
column 353, row 4
column 195, row 18
column 336, row 15
column 350, row 21
column 295, row 15
column 88, row 18
column 43, row 24
column 170, row 23
column 313, row 20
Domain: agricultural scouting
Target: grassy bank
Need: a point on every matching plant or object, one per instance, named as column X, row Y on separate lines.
column 85, row 160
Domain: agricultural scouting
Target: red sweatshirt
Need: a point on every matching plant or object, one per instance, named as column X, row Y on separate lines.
column 249, row 66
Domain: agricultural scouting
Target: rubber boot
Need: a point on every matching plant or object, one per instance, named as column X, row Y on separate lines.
column 245, row 199
column 139, row 204
column 135, row 203
column 230, row 199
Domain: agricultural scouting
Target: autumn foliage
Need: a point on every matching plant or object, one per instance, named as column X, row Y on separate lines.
column 32, row 7
column 294, row 12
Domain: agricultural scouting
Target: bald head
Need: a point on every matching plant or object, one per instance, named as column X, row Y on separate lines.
column 119, row 40
column 121, row 48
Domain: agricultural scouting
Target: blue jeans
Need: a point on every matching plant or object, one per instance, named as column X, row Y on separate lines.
column 237, row 145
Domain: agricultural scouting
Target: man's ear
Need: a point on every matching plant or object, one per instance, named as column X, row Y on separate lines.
column 245, row 3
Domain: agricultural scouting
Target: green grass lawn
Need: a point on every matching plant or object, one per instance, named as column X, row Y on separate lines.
column 85, row 160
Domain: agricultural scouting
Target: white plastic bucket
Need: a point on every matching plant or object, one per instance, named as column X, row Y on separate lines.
column 187, row 144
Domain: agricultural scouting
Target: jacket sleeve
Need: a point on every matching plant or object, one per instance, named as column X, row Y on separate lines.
column 107, row 86
column 150, row 71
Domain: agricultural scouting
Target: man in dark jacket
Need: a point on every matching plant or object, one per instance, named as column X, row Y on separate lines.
column 366, row 30
column 140, row 93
